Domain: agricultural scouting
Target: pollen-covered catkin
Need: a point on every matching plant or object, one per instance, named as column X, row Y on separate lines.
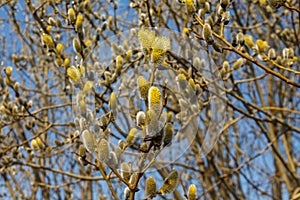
column 154, row 100
column 150, row 187
column 130, row 137
column 73, row 73
column 192, row 192
column 143, row 87
column 170, row 183
column 207, row 33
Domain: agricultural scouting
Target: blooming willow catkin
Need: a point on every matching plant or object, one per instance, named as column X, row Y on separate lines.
column 159, row 47
column 73, row 73
column 192, row 192
column 150, row 188
column 143, row 87
column 113, row 103
column 168, row 134
column 47, row 39
column 154, row 100
column 170, row 183
column 207, row 33
column 89, row 140
column 71, row 15
column 146, row 37
column 130, row 137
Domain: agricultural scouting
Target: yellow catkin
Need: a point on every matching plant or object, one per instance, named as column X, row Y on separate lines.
column 76, row 45
column 237, row 64
column 207, row 33
column 130, row 137
column 113, row 103
column 146, row 37
column 119, row 64
column 261, row 45
column 150, row 187
column 159, row 47
column 192, row 192
column 143, row 86
column 8, row 71
column 154, row 99
column 78, row 24
column 59, row 48
column 34, row 145
column 170, row 183
column 168, row 134
column 39, row 143
column 71, row 15
column 248, row 41
column 88, row 86
column 81, row 151
column 190, row 6
column 47, row 39
column 73, row 73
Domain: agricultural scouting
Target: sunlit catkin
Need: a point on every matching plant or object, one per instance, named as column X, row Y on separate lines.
column 140, row 119
column 113, row 103
column 237, row 64
column 89, row 140
column 248, row 41
column 154, row 100
column 119, row 64
column 78, row 24
column 47, row 39
column 190, row 6
column 170, row 183
column 34, row 145
column 88, row 86
column 103, row 150
column 150, row 187
column 8, row 71
column 59, row 48
column 159, row 47
column 192, row 192
column 143, row 87
column 73, row 73
column 207, row 33
column 181, row 82
column 81, row 151
column 146, row 37
column 130, row 137
column 261, row 45
column 168, row 134
column 39, row 143
column 77, row 46
column 71, row 16
column 125, row 171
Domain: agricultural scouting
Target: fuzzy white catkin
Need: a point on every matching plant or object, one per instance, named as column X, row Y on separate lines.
column 89, row 140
